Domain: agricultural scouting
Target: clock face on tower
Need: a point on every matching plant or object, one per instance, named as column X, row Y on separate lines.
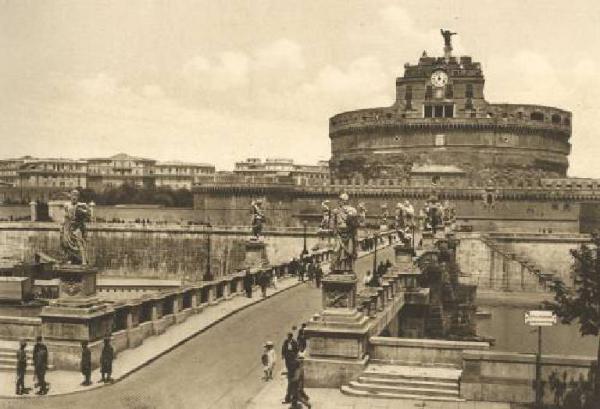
column 439, row 78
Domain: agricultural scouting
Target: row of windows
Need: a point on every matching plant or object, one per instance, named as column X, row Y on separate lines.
column 438, row 111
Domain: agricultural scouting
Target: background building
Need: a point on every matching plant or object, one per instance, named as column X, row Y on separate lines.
column 180, row 175
column 51, row 173
column 118, row 170
column 281, row 167
column 28, row 178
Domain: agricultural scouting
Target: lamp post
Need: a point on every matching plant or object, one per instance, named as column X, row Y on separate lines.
column 375, row 238
column 304, row 249
column 208, row 275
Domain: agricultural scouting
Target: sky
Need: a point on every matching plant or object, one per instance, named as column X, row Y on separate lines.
column 220, row 81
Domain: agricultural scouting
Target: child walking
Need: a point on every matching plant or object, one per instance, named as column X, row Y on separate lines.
column 268, row 360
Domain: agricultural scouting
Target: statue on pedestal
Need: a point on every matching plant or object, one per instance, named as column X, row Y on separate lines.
column 326, row 220
column 384, row 216
column 73, row 232
column 362, row 214
column 345, row 226
column 399, row 217
column 409, row 214
column 258, row 219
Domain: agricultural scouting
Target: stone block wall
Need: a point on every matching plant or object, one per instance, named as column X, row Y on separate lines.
column 510, row 377
column 511, row 263
column 148, row 252
column 421, row 351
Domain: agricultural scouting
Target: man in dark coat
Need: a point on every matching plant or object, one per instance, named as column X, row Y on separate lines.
column 21, row 368
column 263, row 282
column 301, row 270
column 86, row 363
column 310, row 271
column 293, row 267
column 40, row 363
column 289, row 352
column 248, row 284
column 106, row 360
column 318, row 276
column 296, row 381
column 301, row 338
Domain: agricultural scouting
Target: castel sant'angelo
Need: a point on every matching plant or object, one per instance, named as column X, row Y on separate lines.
column 440, row 119
column 503, row 165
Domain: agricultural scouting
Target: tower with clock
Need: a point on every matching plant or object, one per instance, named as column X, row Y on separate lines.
column 441, row 120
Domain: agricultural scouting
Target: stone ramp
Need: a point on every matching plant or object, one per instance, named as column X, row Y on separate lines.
column 389, row 381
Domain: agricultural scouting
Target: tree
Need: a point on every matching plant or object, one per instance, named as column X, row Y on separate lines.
column 581, row 302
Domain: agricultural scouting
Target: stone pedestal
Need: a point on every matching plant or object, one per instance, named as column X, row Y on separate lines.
column 75, row 280
column 427, row 238
column 403, row 257
column 66, row 322
column 338, row 336
column 256, row 255
column 16, row 289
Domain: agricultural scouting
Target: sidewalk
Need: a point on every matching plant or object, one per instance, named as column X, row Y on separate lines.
column 130, row 360
column 272, row 394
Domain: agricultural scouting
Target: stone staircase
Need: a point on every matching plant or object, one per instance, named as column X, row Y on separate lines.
column 8, row 356
column 389, row 381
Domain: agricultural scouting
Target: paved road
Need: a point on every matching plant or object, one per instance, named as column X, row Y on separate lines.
column 218, row 369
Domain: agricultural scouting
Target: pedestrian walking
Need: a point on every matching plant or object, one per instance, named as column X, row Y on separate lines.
column 248, row 284
column 293, row 267
column 263, row 282
column 268, row 360
column 298, row 394
column 106, row 359
column 40, row 364
column 301, row 338
column 310, row 271
column 21, row 368
column 86, row 364
column 318, row 276
column 301, row 270
column 289, row 352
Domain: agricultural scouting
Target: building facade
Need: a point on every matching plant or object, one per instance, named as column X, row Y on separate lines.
column 28, row 178
column 180, row 175
column 53, row 173
column 118, row 170
column 282, row 167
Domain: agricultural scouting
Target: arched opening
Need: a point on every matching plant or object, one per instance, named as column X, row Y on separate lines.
column 556, row 119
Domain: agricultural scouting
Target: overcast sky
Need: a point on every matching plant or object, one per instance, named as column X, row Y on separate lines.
column 219, row 81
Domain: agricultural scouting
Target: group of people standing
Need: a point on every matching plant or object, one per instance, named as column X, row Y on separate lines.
column 375, row 279
column 264, row 280
column 40, row 365
column 292, row 353
column 307, row 270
